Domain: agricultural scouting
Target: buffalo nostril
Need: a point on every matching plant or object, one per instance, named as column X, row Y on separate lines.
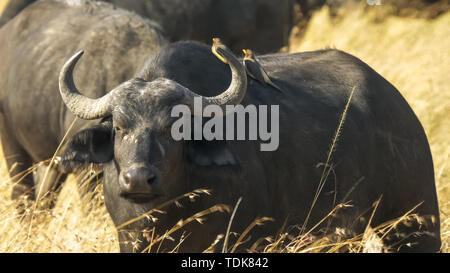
column 128, row 178
column 151, row 179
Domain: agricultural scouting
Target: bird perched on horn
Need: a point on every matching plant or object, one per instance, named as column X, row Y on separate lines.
column 256, row 71
column 218, row 45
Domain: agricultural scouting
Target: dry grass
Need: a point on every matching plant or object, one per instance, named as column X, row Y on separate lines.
column 71, row 226
column 411, row 53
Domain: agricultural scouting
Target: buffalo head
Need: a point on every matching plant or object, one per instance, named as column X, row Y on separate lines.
column 142, row 163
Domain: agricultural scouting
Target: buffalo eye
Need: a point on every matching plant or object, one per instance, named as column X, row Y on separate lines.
column 120, row 131
column 120, row 123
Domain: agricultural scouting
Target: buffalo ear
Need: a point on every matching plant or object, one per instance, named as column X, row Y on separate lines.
column 92, row 145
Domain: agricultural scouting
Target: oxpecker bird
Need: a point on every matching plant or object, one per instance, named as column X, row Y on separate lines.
column 255, row 70
column 217, row 43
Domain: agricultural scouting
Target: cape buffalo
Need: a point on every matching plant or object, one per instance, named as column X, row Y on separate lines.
column 382, row 151
column 33, row 48
column 263, row 25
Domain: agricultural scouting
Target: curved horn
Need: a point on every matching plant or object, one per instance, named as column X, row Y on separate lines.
column 238, row 86
column 81, row 106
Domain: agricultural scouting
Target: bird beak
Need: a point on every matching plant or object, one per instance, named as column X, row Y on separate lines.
column 245, row 51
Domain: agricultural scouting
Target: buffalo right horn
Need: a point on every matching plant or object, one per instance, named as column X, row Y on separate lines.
column 81, row 106
column 238, row 85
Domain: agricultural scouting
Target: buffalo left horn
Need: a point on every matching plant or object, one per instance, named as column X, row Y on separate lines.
column 81, row 106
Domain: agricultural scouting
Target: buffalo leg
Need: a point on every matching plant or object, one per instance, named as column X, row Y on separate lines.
column 47, row 183
column 416, row 236
column 18, row 162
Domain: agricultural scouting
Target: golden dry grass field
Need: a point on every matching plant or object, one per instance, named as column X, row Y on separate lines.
column 411, row 53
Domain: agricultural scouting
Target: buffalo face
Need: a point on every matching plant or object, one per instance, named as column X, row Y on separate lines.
column 145, row 156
